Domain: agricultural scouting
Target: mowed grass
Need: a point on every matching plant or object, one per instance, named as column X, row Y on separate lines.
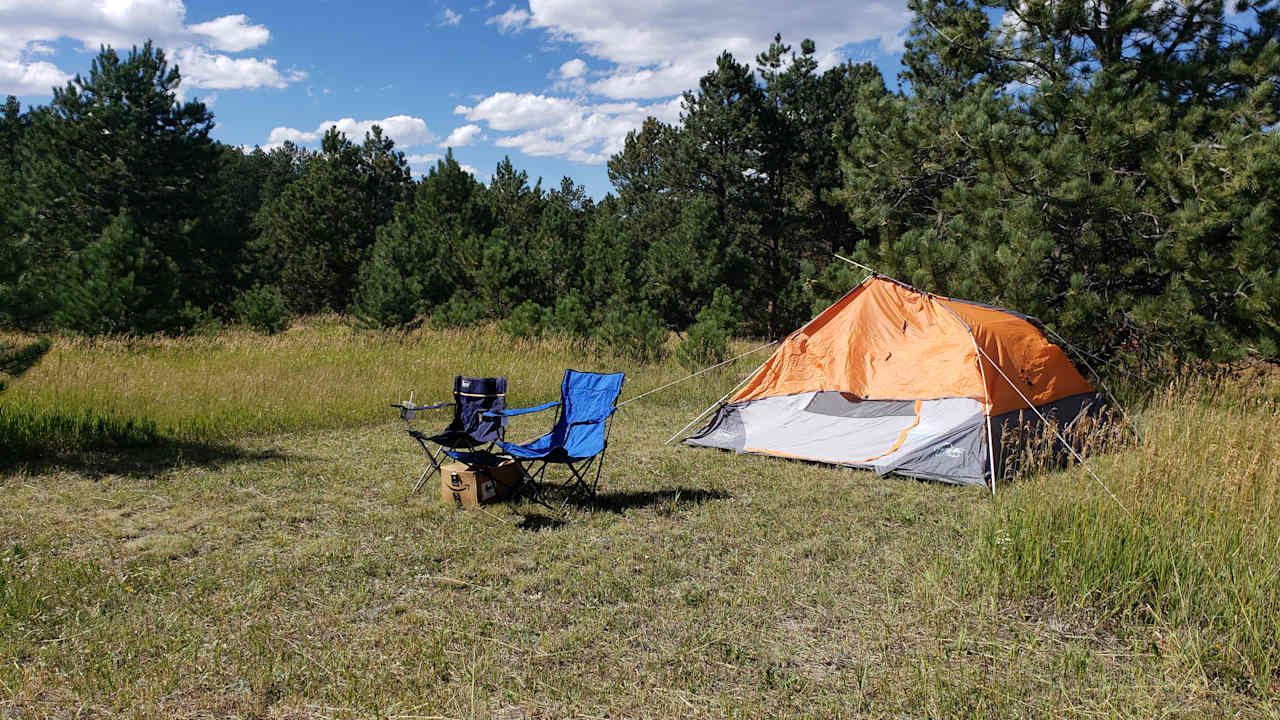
column 282, row 569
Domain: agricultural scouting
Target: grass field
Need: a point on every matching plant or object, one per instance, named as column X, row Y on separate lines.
column 248, row 547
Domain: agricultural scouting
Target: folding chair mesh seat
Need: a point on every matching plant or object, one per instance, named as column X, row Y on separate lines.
column 471, row 428
column 580, row 434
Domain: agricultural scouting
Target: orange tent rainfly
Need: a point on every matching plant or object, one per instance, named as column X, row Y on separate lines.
column 898, row 380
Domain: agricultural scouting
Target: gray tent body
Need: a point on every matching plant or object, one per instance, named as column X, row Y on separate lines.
column 944, row 439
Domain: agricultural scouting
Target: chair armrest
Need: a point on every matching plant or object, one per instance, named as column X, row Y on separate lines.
column 411, row 406
column 509, row 412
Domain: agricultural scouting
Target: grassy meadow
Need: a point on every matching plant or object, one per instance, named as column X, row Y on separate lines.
column 222, row 527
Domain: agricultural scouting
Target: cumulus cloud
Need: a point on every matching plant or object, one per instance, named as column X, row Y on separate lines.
column 201, row 68
column 421, row 164
column 232, row 33
column 513, row 20
column 462, row 136
column 660, row 50
column 574, row 68
column 407, row 131
column 27, row 27
column 559, row 127
column 30, row 78
column 451, row 17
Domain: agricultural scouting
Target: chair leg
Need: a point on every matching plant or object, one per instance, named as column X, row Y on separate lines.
column 530, row 486
column 433, row 466
column 600, row 465
column 580, row 481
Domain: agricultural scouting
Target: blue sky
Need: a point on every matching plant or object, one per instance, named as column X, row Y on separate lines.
column 554, row 84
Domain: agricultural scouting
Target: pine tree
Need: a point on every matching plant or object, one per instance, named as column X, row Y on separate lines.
column 318, row 231
column 13, row 242
column 1097, row 165
column 120, row 283
column 427, row 252
column 116, row 140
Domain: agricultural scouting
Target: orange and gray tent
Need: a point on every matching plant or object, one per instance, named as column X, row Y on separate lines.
column 898, row 380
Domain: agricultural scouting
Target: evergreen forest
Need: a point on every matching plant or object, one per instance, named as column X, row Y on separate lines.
column 1109, row 167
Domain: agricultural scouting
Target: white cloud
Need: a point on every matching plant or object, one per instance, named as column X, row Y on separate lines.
column 662, row 49
column 405, row 130
column 462, row 136
column 574, row 68
column 201, row 68
column 513, row 20
column 451, row 17
column 512, row 111
column 421, row 164
column 232, row 33
column 659, row 81
column 546, row 126
column 27, row 27
column 31, row 78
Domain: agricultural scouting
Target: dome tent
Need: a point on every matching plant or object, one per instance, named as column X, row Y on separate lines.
column 895, row 379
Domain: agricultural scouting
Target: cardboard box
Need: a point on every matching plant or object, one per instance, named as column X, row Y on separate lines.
column 466, row 487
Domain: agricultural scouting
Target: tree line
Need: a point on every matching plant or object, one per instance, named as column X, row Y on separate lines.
column 1108, row 166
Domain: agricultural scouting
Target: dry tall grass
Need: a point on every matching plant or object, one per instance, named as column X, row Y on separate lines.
column 1193, row 544
column 318, row 375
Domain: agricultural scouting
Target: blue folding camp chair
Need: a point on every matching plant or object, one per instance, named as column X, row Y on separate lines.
column 578, row 438
column 470, row 428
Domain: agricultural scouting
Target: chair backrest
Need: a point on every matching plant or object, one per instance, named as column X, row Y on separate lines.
column 588, row 400
column 472, row 398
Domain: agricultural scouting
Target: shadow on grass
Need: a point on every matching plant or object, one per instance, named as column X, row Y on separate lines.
column 38, row 440
column 535, row 523
column 157, row 459
column 666, row 500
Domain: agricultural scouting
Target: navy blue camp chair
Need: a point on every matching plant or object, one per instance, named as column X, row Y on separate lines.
column 578, row 438
column 470, row 428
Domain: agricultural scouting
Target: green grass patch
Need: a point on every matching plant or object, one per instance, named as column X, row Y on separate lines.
column 1195, row 549
column 319, row 375
column 29, row 431
column 264, row 558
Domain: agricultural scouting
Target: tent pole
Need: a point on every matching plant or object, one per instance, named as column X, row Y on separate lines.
column 991, row 454
column 719, row 402
column 986, row 389
column 1074, row 453
column 752, row 374
column 991, row 448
